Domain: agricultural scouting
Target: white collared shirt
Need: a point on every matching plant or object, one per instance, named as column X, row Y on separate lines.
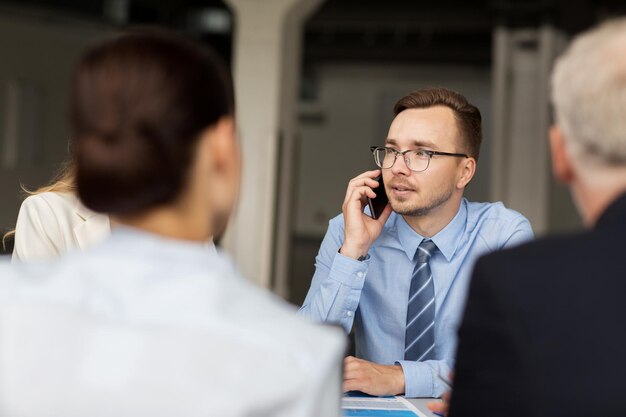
column 146, row 326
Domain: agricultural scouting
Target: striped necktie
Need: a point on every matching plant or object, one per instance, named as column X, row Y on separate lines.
column 419, row 341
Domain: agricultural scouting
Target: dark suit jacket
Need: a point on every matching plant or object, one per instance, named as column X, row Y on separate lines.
column 544, row 331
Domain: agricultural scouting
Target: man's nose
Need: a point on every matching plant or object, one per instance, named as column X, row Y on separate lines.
column 400, row 166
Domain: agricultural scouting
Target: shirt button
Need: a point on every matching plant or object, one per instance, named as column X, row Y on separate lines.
column 359, row 274
column 349, row 313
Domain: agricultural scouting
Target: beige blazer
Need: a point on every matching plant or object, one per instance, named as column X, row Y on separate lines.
column 50, row 224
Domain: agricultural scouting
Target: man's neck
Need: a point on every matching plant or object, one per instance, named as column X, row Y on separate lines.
column 432, row 223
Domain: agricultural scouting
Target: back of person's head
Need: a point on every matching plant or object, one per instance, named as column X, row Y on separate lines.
column 589, row 95
column 468, row 118
column 139, row 103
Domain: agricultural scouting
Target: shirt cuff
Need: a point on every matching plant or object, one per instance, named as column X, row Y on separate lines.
column 419, row 380
column 348, row 271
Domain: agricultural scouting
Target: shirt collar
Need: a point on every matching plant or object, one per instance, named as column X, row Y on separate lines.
column 160, row 246
column 82, row 211
column 447, row 240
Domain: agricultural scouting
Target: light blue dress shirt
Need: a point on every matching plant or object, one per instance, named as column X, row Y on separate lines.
column 373, row 294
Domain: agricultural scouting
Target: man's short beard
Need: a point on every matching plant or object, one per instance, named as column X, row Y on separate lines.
column 427, row 209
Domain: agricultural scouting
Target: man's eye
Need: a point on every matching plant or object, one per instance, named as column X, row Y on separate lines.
column 421, row 153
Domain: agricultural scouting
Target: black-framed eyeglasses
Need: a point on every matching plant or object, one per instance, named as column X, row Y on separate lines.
column 417, row 160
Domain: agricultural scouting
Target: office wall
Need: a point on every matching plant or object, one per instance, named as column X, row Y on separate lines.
column 37, row 53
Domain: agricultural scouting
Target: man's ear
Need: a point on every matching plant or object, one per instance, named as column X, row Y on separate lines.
column 468, row 169
column 561, row 162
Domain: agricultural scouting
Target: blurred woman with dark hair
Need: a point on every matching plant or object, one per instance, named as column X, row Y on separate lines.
column 151, row 322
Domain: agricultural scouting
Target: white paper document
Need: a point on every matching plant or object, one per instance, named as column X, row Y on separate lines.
column 378, row 407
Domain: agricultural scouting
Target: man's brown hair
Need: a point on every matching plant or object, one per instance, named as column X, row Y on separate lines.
column 467, row 115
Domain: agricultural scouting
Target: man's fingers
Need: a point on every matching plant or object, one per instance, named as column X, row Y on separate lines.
column 355, row 384
column 350, row 358
column 367, row 174
column 358, row 182
column 351, row 385
column 364, row 191
column 438, row 407
column 358, row 194
column 353, row 368
column 365, row 179
column 350, row 364
column 352, row 372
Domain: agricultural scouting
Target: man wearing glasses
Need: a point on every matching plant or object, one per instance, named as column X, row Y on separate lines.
column 401, row 279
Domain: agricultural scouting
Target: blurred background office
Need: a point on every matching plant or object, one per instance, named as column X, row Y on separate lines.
column 316, row 81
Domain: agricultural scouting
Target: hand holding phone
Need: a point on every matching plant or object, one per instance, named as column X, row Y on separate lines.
column 378, row 204
column 361, row 230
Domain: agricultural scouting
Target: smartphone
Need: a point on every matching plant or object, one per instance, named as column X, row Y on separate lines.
column 378, row 204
